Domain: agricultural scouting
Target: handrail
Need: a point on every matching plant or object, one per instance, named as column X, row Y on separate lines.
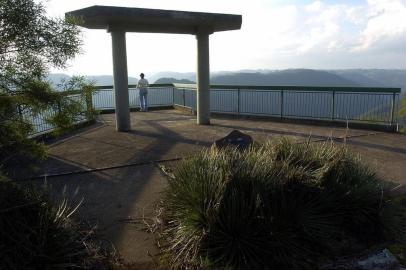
column 275, row 87
column 101, row 87
column 298, row 88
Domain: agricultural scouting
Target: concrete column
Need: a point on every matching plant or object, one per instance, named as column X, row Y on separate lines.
column 203, row 79
column 120, row 76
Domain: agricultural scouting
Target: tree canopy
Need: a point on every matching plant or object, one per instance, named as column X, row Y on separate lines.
column 30, row 44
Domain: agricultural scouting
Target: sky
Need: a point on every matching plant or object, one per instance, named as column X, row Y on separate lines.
column 275, row 34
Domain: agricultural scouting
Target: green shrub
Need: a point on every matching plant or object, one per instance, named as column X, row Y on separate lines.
column 36, row 235
column 282, row 205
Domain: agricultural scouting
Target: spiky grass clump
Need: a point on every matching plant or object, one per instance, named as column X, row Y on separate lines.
column 282, row 205
column 35, row 234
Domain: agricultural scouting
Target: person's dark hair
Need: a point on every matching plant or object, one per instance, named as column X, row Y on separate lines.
column 142, row 75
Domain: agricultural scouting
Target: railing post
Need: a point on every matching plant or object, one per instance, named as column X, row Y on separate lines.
column 392, row 115
column 281, row 101
column 184, row 100
column 89, row 104
column 173, row 96
column 333, row 105
column 238, row 100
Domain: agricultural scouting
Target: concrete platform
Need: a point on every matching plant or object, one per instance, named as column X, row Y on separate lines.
column 119, row 200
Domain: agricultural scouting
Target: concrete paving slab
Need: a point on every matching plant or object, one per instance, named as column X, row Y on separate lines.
column 118, row 202
column 116, row 199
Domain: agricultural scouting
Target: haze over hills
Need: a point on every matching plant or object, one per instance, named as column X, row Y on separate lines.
column 377, row 77
column 294, row 77
column 175, row 75
column 56, row 78
column 305, row 77
column 173, row 80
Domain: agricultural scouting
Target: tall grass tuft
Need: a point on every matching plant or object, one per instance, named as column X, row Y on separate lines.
column 35, row 234
column 281, row 205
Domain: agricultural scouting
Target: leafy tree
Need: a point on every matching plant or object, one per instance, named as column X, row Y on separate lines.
column 403, row 113
column 30, row 44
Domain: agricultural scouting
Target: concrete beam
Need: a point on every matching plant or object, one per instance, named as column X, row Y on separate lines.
column 203, row 78
column 154, row 20
column 120, row 75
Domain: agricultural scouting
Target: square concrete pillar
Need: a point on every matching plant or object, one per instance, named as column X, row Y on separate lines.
column 203, row 79
column 120, row 76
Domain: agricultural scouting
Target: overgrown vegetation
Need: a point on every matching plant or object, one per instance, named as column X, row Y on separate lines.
column 398, row 248
column 31, row 43
column 402, row 113
column 35, row 234
column 281, row 205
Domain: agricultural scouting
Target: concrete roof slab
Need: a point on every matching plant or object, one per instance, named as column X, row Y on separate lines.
column 154, row 20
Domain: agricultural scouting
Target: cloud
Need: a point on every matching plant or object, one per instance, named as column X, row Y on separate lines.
column 274, row 34
column 386, row 26
column 314, row 27
column 375, row 25
column 340, row 34
column 314, row 7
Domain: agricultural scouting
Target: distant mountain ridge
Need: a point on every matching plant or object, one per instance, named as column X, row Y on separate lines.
column 172, row 80
column 56, row 78
column 291, row 77
column 305, row 77
column 169, row 74
column 375, row 77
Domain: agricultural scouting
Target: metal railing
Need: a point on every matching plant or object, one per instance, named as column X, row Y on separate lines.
column 158, row 95
column 352, row 104
column 102, row 99
column 39, row 120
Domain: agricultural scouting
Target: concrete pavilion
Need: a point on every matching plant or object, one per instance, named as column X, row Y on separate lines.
column 119, row 20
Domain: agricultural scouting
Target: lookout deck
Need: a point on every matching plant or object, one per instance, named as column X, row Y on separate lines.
column 122, row 184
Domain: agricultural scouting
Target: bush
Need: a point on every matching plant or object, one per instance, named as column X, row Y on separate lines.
column 36, row 235
column 402, row 114
column 282, row 205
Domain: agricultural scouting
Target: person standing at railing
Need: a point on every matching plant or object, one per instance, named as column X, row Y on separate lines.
column 143, row 88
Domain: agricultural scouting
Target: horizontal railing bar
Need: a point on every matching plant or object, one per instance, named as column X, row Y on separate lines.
column 274, row 87
column 296, row 91
column 220, row 111
column 359, row 120
column 303, row 88
column 183, row 106
column 260, row 114
column 314, row 117
column 317, row 89
column 101, row 87
column 327, row 89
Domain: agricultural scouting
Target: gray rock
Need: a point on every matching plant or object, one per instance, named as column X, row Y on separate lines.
column 235, row 139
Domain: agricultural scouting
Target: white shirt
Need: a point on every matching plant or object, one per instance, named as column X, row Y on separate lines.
column 143, row 84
